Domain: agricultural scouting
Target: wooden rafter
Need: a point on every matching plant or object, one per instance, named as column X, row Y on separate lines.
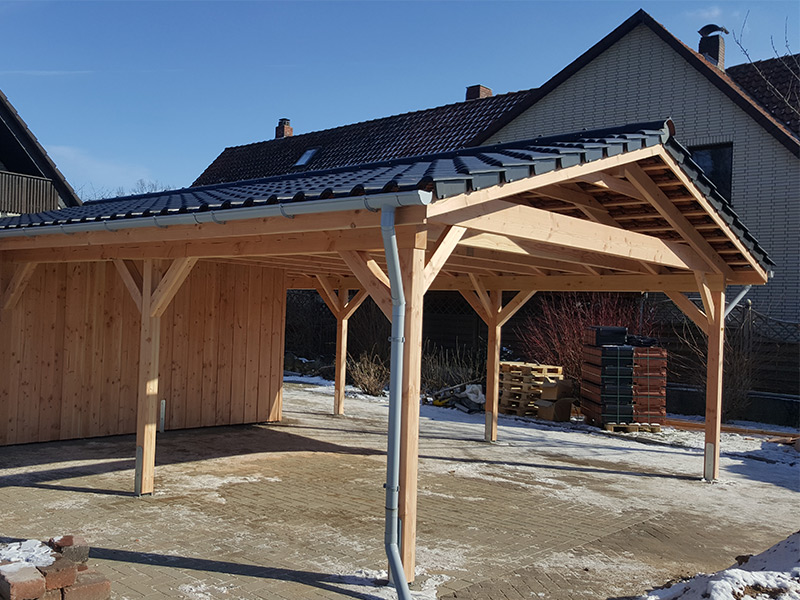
column 441, row 252
column 16, row 287
column 667, row 209
column 688, row 308
column 613, row 184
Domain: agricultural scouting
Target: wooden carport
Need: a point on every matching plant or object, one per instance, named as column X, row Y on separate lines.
column 615, row 210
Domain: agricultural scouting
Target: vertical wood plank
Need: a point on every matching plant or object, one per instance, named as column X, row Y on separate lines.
column 49, row 350
column 209, row 301
column 73, row 348
column 96, row 358
column 253, row 345
column 111, row 349
column 278, row 340
column 176, row 403
column 242, row 293
column 129, row 364
column 268, row 298
column 5, row 361
column 165, row 363
column 412, row 261
column 716, row 345
column 225, row 337
column 195, row 358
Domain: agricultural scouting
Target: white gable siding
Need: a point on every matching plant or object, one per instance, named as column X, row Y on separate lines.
column 640, row 78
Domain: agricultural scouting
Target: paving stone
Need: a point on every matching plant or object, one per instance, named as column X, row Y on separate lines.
column 19, row 581
column 60, row 574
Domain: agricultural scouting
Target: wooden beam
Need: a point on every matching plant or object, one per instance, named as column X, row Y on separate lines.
column 371, row 277
column 530, row 224
column 689, row 309
column 16, row 287
column 132, row 279
column 665, row 207
column 147, row 400
column 352, row 305
column 170, row 284
column 412, row 262
column 668, row 282
column 716, row 344
column 300, row 224
column 493, row 368
column 587, row 203
column 483, row 297
column 510, row 309
column 613, row 184
column 441, row 252
column 329, row 296
column 704, row 287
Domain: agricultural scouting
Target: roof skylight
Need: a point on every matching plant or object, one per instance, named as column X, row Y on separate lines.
column 303, row 160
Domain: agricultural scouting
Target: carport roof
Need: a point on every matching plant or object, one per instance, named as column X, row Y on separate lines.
column 446, row 174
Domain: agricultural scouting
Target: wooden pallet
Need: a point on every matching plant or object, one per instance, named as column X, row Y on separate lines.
column 521, row 368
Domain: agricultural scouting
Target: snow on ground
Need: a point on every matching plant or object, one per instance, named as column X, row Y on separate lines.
column 775, row 573
column 745, row 458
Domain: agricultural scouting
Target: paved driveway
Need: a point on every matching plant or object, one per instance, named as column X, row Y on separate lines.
column 295, row 510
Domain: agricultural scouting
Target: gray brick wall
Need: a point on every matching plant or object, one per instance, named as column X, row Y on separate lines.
column 641, row 78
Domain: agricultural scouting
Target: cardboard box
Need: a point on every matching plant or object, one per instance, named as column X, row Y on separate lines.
column 554, row 410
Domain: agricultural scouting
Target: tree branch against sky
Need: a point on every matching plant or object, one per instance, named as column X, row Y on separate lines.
column 156, row 90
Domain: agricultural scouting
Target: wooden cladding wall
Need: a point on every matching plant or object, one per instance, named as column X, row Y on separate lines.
column 69, row 355
column 25, row 193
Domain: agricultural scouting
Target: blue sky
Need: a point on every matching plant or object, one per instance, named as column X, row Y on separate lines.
column 120, row 91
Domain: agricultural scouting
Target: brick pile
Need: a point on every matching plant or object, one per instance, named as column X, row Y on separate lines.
column 522, row 385
column 55, row 570
column 621, row 382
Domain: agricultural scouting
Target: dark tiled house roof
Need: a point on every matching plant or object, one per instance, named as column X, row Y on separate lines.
column 440, row 129
column 751, row 105
column 775, row 84
column 445, row 173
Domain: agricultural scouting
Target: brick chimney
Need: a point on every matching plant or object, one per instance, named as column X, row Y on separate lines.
column 478, row 91
column 284, row 129
column 712, row 46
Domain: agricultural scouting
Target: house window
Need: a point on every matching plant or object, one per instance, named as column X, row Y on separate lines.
column 303, row 160
column 717, row 163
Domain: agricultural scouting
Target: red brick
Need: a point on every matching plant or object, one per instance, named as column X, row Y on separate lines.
column 73, row 547
column 90, row 585
column 19, row 581
column 52, row 595
column 60, row 574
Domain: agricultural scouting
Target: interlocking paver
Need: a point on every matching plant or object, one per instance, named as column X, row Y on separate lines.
column 277, row 511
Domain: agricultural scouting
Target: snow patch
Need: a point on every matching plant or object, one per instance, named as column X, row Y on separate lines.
column 30, row 552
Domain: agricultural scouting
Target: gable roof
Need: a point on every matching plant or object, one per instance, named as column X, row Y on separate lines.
column 447, row 174
column 22, row 153
column 439, row 129
column 714, row 75
column 775, row 84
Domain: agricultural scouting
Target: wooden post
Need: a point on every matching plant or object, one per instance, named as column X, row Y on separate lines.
column 493, row 368
column 412, row 261
column 716, row 344
column 341, row 365
column 147, row 400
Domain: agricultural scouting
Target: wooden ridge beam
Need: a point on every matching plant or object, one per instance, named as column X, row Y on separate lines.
column 665, row 207
column 16, row 287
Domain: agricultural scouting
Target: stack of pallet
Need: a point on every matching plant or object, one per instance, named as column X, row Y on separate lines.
column 622, row 384
column 522, row 385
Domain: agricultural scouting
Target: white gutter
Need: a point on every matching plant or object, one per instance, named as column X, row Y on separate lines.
column 221, row 216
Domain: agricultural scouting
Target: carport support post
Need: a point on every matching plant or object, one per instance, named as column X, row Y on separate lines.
column 340, row 379
column 493, row 368
column 412, row 262
column 716, row 343
column 147, row 399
